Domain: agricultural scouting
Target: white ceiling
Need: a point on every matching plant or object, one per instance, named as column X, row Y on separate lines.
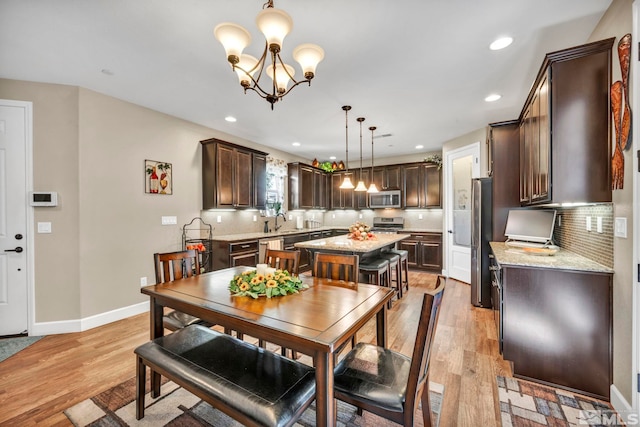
column 417, row 69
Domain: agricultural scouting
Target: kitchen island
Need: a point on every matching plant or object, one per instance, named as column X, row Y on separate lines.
column 344, row 245
column 554, row 318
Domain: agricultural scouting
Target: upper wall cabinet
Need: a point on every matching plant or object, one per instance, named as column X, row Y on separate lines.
column 308, row 187
column 387, row 177
column 565, row 128
column 232, row 176
column 341, row 199
column 421, row 185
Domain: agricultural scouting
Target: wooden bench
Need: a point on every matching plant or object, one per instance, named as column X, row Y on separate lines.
column 250, row 384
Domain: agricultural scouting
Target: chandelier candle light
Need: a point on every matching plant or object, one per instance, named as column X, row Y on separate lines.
column 275, row 24
column 346, row 183
column 360, row 186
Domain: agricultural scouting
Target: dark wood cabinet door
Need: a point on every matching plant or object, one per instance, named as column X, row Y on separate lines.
column 306, row 184
column 224, row 176
column 259, row 181
column 412, row 248
column 542, row 193
column 243, row 180
column 432, row 186
column 431, row 255
column 525, row 174
column 379, row 177
column 393, row 177
column 362, row 197
column 411, row 186
column 319, row 189
column 505, row 157
column 335, row 201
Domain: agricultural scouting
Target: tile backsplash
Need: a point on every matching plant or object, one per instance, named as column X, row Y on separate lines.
column 571, row 232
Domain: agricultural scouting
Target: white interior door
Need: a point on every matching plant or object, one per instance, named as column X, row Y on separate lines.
column 461, row 166
column 14, row 122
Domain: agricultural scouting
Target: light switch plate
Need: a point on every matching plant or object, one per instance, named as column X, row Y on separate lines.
column 588, row 223
column 620, row 227
column 169, row 220
column 599, row 224
column 44, row 227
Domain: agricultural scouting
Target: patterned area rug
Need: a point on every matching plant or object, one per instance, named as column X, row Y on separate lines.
column 10, row 346
column 526, row 404
column 177, row 407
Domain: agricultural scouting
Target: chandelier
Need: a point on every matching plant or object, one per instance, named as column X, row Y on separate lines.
column 275, row 24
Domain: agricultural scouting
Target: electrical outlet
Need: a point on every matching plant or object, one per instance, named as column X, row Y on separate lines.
column 255, row 218
column 219, row 219
column 599, row 224
column 419, row 216
column 290, row 217
column 359, row 216
column 559, row 221
column 143, row 281
column 588, row 223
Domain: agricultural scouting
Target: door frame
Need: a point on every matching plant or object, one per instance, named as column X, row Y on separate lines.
column 27, row 106
column 474, row 150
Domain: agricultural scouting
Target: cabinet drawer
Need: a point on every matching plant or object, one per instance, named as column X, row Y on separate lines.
column 250, row 245
column 290, row 240
column 315, row 236
column 426, row 237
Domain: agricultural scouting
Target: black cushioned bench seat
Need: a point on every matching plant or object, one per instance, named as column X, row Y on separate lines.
column 250, row 384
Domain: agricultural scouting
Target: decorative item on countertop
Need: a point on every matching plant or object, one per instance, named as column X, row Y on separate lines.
column 360, row 231
column 265, row 281
column 434, row 158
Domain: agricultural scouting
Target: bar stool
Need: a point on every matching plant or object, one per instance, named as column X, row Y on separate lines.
column 376, row 271
column 394, row 265
column 404, row 267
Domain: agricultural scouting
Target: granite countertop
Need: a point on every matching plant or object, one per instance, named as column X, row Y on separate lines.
column 563, row 259
column 342, row 243
column 271, row 235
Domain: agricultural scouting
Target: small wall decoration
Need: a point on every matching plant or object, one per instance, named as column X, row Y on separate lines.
column 158, row 177
column 621, row 110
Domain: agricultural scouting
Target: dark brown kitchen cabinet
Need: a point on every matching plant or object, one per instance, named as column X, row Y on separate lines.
column 504, row 153
column 565, row 128
column 235, row 253
column 425, row 250
column 341, row 199
column 387, row 177
column 305, row 256
column 421, row 185
column 362, row 197
column 307, row 187
column 228, row 176
column 542, row 335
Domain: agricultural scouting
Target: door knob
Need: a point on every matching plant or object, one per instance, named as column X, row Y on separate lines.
column 18, row 249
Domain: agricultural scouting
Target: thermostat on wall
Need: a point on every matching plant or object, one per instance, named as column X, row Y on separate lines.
column 44, row 198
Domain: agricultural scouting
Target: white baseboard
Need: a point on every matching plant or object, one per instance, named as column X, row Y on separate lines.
column 79, row 325
column 621, row 406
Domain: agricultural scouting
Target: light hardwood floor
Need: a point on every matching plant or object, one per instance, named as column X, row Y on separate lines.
column 40, row 382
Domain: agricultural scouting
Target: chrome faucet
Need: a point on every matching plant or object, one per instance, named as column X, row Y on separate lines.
column 277, row 227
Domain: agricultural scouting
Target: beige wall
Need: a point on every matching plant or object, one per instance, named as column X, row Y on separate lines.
column 91, row 148
column 616, row 22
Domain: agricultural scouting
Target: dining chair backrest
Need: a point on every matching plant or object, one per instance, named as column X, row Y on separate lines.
column 282, row 259
column 419, row 370
column 176, row 265
column 336, row 266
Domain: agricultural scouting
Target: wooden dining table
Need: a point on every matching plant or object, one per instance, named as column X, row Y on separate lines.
column 316, row 321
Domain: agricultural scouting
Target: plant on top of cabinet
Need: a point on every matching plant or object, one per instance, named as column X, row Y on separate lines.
column 232, row 176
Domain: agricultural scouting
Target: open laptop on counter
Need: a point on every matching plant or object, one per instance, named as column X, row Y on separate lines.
column 530, row 228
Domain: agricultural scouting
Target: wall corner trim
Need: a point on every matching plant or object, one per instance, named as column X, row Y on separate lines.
column 620, row 404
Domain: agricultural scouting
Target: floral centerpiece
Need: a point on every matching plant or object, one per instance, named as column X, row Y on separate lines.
column 270, row 284
column 360, row 231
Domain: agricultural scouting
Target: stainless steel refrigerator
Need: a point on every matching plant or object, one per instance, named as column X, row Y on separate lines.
column 481, row 235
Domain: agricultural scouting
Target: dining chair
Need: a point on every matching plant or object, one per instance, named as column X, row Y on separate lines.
column 387, row 383
column 283, row 260
column 336, row 267
column 172, row 266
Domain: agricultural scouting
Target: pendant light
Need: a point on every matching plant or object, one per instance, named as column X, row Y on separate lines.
column 372, row 187
column 346, row 183
column 360, row 186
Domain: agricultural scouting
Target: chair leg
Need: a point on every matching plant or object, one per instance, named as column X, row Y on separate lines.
column 426, row 405
column 141, row 376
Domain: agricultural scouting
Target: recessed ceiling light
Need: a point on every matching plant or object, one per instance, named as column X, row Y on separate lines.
column 296, row 144
column 231, row 119
column 332, row 157
column 500, row 43
column 493, row 97
column 419, row 147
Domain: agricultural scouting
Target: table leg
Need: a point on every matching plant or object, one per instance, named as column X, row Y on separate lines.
column 326, row 411
column 157, row 330
column 381, row 327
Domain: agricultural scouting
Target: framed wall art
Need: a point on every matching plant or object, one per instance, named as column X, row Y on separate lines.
column 158, row 177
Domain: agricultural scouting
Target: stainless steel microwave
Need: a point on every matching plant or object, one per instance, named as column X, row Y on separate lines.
column 385, row 199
